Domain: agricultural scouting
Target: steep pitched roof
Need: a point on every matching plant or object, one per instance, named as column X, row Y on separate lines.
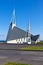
column 15, row 33
column 34, row 38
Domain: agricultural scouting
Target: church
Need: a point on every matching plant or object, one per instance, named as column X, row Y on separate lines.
column 18, row 36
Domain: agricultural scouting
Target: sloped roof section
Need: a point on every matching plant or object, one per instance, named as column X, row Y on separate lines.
column 34, row 38
column 15, row 33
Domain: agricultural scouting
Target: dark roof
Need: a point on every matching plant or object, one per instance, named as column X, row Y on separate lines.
column 34, row 38
column 15, row 33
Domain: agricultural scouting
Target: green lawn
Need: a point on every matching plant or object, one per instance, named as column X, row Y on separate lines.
column 40, row 43
column 32, row 48
column 11, row 63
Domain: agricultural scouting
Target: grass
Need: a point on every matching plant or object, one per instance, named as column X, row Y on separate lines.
column 11, row 63
column 40, row 48
column 40, row 43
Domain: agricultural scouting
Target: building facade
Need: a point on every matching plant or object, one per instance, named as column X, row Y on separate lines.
column 18, row 36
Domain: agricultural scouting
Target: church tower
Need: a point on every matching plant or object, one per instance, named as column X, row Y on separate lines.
column 13, row 19
column 28, row 34
column 28, row 29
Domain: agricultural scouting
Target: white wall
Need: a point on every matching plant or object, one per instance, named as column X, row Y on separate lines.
column 12, row 41
column 21, row 40
column 38, row 40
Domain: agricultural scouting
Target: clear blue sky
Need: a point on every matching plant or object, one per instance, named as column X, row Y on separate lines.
column 25, row 10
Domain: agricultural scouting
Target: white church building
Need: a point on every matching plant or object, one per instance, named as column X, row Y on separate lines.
column 18, row 36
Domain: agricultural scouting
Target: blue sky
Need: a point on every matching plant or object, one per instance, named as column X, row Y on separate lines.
column 25, row 10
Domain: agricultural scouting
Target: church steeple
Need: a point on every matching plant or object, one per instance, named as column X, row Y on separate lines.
column 28, row 29
column 14, row 16
column 13, row 19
